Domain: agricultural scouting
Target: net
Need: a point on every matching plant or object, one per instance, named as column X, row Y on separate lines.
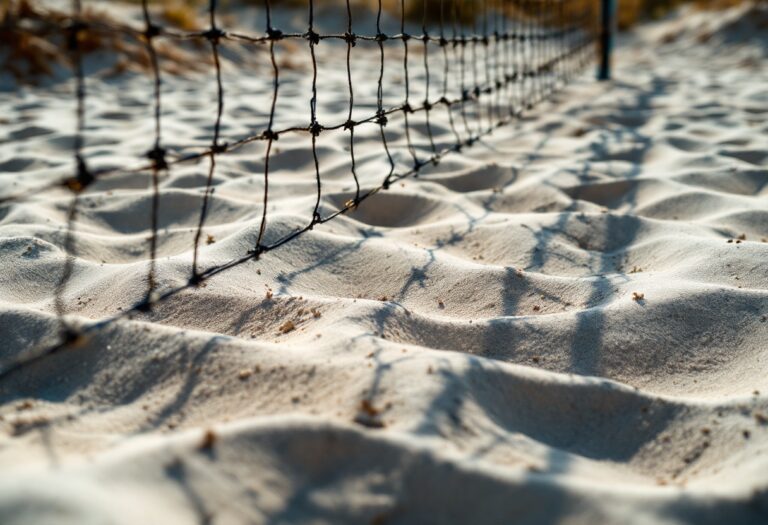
column 481, row 65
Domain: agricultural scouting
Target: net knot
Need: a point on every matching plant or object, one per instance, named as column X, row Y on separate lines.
column 407, row 108
column 271, row 135
column 427, row 105
column 349, row 125
column 274, row 34
column 312, row 36
column 73, row 30
column 257, row 251
column 315, row 128
column 152, row 31
column 157, row 156
column 219, row 148
column 486, row 41
column 381, row 118
column 82, row 179
column 214, row 35
column 350, row 38
column 71, row 336
column 425, row 36
column 443, row 41
column 405, row 37
column 381, row 37
column 144, row 306
column 444, row 100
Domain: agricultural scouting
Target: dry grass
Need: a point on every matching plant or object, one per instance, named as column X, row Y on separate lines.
column 34, row 53
column 632, row 12
column 180, row 14
column 34, row 43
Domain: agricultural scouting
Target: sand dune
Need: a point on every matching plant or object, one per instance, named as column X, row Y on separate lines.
column 566, row 323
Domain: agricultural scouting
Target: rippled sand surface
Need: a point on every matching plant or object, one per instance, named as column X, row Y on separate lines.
column 566, row 323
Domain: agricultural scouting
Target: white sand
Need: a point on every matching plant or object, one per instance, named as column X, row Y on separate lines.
column 516, row 379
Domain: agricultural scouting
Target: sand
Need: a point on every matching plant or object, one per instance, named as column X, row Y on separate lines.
column 564, row 324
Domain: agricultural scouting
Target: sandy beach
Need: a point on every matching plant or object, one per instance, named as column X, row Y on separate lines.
column 565, row 323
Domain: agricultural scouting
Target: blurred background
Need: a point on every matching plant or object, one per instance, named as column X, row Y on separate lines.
column 184, row 12
column 32, row 39
column 630, row 12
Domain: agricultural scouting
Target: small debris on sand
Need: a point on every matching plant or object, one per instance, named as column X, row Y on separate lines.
column 22, row 425
column 369, row 415
column 209, row 439
column 367, row 406
column 24, row 405
column 638, row 296
column 287, row 327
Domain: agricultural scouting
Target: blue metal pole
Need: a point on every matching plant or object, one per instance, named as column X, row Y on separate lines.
column 607, row 34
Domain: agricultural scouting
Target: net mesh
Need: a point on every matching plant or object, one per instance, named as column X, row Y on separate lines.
column 482, row 65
